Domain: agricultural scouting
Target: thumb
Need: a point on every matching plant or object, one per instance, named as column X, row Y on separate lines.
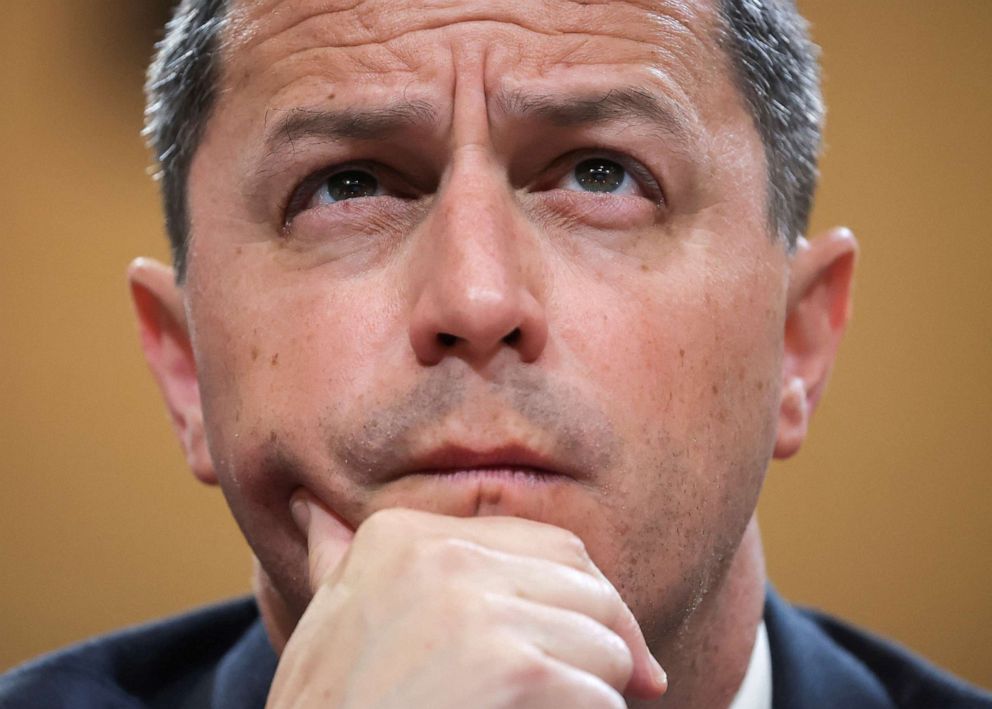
column 328, row 537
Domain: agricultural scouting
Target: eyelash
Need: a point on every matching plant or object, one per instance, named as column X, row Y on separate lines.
column 306, row 190
column 641, row 174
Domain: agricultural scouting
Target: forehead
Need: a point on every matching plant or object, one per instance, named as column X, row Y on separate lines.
column 292, row 48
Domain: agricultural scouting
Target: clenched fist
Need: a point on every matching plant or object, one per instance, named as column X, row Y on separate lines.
column 422, row 610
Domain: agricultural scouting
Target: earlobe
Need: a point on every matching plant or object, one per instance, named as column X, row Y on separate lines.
column 165, row 341
column 818, row 310
column 793, row 418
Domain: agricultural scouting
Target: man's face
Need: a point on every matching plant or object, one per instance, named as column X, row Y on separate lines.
column 527, row 241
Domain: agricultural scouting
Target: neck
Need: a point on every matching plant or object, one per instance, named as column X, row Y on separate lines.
column 707, row 660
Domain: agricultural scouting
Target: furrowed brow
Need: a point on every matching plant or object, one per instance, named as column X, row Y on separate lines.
column 349, row 123
column 619, row 104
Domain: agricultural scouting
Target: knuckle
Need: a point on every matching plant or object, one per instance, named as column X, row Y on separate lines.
column 375, row 526
column 580, row 690
column 386, row 526
column 528, row 669
column 617, row 614
column 614, row 662
column 610, row 699
column 443, row 558
column 621, row 661
column 573, row 549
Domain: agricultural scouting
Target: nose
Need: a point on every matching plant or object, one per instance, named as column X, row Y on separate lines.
column 479, row 275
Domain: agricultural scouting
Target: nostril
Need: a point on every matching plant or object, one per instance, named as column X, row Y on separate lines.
column 513, row 338
column 446, row 339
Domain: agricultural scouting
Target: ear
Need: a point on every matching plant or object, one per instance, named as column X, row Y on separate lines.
column 158, row 304
column 819, row 307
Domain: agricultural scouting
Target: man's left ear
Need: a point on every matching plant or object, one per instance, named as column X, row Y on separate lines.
column 819, row 307
column 158, row 304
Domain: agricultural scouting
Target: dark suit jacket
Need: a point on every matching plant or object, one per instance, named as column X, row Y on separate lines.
column 220, row 657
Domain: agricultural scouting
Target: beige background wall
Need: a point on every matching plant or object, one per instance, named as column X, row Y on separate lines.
column 885, row 517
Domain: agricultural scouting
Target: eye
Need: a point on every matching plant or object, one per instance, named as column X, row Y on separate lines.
column 344, row 183
column 347, row 184
column 609, row 175
column 599, row 175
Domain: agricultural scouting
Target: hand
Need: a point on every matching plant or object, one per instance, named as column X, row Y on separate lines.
column 423, row 610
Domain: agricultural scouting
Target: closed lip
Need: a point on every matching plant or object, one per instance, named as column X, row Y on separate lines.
column 457, row 459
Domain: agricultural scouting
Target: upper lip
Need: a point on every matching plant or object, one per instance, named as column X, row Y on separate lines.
column 451, row 458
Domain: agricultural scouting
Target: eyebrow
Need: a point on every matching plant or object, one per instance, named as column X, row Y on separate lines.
column 617, row 104
column 350, row 123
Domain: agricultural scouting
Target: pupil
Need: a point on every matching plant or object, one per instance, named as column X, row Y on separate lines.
column 351, row 184
column 599, row 175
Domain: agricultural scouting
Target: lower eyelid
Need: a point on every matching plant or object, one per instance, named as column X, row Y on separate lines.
column 611, row 212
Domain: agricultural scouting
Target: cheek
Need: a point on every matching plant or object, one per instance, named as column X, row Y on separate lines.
column 687, row 363
column 279, row 364
column 687, row 356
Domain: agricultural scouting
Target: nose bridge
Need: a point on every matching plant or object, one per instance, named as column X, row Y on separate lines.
column 474, row 227
column 477, row 293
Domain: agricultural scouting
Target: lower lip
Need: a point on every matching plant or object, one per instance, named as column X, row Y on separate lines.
column 505, row 475
column 531, row 493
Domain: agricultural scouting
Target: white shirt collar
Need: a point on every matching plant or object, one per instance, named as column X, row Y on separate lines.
column 755, row 691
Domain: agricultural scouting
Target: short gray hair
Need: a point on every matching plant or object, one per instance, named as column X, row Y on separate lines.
column 778, row 72
column 775, row 65
column 180, row 90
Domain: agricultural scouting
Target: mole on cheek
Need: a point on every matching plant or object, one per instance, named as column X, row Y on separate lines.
column 275, row 359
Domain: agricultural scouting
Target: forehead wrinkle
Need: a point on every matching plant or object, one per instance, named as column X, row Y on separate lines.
column 372, row 23
column 244, row 31
column 376, row 39
column 668, row 26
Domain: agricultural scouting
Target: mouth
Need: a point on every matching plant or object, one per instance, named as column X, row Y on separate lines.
column 508, row 463
column 507, row 480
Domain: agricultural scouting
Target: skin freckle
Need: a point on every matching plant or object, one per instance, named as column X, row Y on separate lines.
column 275, row 360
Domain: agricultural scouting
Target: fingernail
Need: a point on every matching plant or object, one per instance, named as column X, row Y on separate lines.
column 660, row 676
column 300, row 511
